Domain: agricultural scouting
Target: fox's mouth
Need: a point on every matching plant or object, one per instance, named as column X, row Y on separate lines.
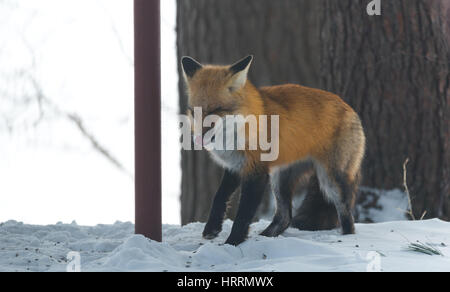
column 199, row 140
column 207, row 137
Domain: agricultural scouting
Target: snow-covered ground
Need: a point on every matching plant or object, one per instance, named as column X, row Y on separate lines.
column 380, row 246
column 382, row 206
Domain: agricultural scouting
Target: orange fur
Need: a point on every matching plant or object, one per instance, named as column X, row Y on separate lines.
column 313, row 123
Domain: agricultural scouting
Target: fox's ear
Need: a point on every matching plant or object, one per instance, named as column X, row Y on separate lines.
column 240, row 72
column 190, row 66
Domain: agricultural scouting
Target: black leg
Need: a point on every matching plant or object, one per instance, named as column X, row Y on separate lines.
column 345, row 203
column 315, row 213
column 282, row 185
column 229, row 184
column 253, row 187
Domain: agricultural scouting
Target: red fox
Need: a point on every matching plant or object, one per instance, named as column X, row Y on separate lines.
column 318, row 132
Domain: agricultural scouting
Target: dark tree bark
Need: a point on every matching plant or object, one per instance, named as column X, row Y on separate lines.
column 284, row 37
column 394, row 70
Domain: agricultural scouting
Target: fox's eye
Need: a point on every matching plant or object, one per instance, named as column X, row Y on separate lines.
column 216, row 111
column 230, row 89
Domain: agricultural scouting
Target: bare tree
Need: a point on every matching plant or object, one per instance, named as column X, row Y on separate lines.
column 25, row 104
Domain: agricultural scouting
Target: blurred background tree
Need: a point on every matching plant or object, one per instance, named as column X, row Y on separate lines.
column 393, row 69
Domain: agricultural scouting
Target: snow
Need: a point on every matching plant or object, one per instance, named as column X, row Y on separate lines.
column 115, row 248
column 385, row 205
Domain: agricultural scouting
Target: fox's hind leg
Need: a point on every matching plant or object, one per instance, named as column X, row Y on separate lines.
column 345, row 202
column 341, row 191
column 283, row 184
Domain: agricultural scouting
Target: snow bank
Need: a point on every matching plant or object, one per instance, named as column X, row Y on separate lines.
column 115, row 248
column 382, row 205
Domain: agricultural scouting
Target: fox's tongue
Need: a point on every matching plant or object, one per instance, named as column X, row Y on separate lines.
column 198, row 140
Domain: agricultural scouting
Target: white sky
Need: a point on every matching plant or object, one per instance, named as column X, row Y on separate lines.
column 80, row 52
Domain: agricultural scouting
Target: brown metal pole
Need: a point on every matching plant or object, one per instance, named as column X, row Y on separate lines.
column 147, row 118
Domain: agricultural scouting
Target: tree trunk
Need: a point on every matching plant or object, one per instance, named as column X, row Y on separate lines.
column 394, row 71
column 284, row 37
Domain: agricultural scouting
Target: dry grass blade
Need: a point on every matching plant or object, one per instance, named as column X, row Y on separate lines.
column 410, row 211
column 424, row 248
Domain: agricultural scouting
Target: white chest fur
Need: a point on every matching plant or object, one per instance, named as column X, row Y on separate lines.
column 232, row 160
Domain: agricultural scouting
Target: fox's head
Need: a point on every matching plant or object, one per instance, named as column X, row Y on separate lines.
column 216, row 90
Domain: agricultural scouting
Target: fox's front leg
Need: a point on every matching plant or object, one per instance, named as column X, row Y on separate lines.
column 230, row 182
column 253, row 187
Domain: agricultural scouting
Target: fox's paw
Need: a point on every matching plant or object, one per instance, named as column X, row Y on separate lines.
column 271, row 231
column 211, row 233
column 347, row 225
column 276, row 228
column 235, row 241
